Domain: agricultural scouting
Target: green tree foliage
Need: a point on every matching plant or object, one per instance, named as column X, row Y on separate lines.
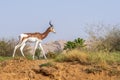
column 77, row 43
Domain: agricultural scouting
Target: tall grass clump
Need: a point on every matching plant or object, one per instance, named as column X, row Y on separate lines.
column 101, row 58
column 84, row 57
column 71, row 56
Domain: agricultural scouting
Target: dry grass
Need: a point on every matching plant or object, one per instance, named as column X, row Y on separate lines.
column 72, row 55
column 97, row 58
column 76, row 55
column 102, row 57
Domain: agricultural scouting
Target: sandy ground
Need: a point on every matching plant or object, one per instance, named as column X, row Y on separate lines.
column 24, row 69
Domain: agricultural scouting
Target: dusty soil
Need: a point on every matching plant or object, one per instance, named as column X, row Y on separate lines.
column 23, row 69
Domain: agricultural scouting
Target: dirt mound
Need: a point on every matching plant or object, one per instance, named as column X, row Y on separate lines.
column 23, row 69
column 20, row 69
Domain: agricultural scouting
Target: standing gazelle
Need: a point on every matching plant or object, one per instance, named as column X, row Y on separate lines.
column 33, row 37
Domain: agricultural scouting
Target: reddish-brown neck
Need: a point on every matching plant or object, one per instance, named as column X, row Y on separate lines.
column 45, row 34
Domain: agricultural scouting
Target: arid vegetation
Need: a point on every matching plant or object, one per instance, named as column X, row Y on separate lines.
column 97, row 58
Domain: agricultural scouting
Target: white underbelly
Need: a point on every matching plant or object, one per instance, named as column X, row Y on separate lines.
column 32, row 39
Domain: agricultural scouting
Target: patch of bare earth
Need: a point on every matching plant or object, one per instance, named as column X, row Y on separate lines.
column 23, row 69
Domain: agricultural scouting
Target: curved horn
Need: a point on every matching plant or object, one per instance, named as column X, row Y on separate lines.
column 50, row 23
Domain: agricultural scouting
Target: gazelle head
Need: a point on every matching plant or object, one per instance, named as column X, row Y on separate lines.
column 51, row 28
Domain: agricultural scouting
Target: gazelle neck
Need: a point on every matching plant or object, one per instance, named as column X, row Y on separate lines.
column 45, row 34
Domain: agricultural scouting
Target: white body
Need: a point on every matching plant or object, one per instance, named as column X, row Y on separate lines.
column 22, row 44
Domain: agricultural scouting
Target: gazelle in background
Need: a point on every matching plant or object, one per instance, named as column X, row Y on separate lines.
column 33, row 37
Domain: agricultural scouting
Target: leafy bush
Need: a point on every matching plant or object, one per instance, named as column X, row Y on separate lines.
column 7, row 47
column 77, row 43
column 112, row 40
column 38, row 53
column 104, row 38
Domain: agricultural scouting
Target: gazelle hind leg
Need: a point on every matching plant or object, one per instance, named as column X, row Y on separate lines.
column 17, row 46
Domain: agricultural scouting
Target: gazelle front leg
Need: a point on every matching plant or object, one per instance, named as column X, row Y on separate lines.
column 43, row 52
column 36, row 45
column 21, row 49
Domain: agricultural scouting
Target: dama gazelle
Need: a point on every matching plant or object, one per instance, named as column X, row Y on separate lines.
column 33, row 37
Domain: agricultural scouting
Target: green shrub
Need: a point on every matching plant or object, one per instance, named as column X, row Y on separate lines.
column 7, row 47
column 38, row 53
column 112, row 40
column 77, row 43
column 104, row 38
